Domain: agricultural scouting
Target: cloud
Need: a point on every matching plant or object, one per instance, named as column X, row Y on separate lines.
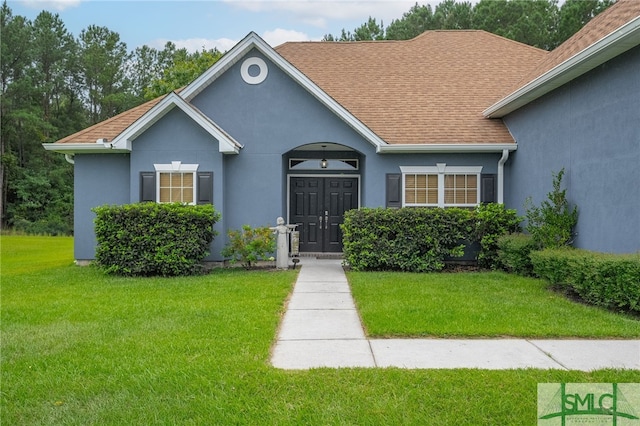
column 58, row 5
column 196, row 44
column 319, row 12
column 274, row 38
column 279, row 36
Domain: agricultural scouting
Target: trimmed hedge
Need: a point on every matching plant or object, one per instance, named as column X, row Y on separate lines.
column 420, row 239
column 154, row 239
column 607, row 280
column 408, row 239
column 514, row 251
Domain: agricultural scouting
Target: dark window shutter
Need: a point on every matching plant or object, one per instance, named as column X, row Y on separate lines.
column 148, row 186
column 205, row 188
column 394, row 190
column 488, row 189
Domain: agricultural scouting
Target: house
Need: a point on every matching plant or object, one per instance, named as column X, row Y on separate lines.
column 450, row 118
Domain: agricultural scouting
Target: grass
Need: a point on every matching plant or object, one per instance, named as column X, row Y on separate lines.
column 477, row 305
column 82, row 348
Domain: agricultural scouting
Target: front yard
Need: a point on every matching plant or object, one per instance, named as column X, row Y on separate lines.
column 79, row 347
column 486, row 304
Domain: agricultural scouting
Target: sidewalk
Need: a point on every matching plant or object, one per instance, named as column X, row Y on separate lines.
column 321, row 328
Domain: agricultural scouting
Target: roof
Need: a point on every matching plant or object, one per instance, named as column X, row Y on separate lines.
column 112, row 127
column 431, row 89
column 428, row 90
column 609, row 34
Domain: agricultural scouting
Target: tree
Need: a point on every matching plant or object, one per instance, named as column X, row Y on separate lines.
column 52, row 45
column 183, row 69
column 574, row 14
column 451, row 15
column 413, row 23
column 104, row 59
column 15, row 100
column 528, row 21
column 36, row 185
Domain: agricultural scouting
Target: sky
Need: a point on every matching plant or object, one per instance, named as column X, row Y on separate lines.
column 199, row 24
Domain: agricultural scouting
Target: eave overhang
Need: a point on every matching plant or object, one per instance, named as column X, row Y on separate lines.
column 227, row 145
column 446, row 148
column 84, row 148
column 617, row 42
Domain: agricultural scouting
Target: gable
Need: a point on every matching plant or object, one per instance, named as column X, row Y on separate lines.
column 428, row 90
column 277, row 115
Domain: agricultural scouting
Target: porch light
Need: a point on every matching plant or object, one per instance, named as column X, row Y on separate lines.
column 323, row 163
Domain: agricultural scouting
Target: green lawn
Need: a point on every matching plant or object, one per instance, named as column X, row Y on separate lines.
column 477, row 305
column 81, row 348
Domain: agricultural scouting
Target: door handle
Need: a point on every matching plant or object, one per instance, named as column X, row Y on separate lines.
column 326, row 219
column 320, row 220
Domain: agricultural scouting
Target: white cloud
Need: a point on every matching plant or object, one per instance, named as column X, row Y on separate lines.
column 319, row 12
column 279, row 36
column 195, row 44
column 274, row 38
column 58, row 5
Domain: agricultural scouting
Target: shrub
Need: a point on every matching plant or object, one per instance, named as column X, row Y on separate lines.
column 552, row 224
column 420, row 239
column 608, row 280
column 514, row 251
column 53, row 226
column 248, row 245
column 408, row 239
column 493, row 221
column 153, row 239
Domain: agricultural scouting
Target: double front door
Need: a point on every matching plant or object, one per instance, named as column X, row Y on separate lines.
column 317, row 205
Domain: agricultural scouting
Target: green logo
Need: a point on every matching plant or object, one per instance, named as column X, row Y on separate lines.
column 588, row 403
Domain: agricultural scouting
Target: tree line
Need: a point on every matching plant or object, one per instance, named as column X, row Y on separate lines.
column 53, row 84
column 539, row 23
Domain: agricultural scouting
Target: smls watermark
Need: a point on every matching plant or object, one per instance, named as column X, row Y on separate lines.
column 616, row 404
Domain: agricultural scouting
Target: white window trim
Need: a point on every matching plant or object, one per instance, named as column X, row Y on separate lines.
column 441, row 169
column 176, row 167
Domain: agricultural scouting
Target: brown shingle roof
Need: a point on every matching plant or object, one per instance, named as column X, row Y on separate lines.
column 111, row 127
column 602, row 25
column 430, row 89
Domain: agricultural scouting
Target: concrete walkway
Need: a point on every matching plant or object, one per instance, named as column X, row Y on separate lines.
column 322, row 328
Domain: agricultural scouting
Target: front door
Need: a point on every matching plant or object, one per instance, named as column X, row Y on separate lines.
column 317, row 205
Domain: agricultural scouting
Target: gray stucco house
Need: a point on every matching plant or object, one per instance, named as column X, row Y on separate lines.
column 451, row 118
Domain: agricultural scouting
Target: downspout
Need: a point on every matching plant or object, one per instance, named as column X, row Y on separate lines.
column 503, row 159
column 69, row 158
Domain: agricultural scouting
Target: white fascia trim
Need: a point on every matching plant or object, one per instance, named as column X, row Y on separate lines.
column 176, row 167
column 254, row 41
column 442, row 168
column 76, row 148
column 227, row 144
column 444, row 147
column 608, row 47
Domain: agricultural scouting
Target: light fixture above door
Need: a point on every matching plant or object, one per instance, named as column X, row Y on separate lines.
column 324, row 162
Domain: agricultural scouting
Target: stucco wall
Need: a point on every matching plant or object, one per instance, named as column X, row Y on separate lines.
column 176, row 137
column 279, row 115
column 590, row 127
column 270, row 120
column 98, row 179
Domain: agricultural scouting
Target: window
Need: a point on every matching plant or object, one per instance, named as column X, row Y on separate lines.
column 176, row 182
column 441, row 186
column 421, row 189
column 176, row 187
